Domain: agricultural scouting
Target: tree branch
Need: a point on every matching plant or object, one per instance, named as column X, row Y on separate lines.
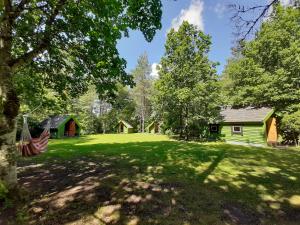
column 27, row 57
column 11, row 11
column 43, row 44
column 6, row 5
column 19, row 8
column 249, row 24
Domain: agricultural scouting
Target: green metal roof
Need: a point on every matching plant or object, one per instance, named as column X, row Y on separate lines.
column 57, row 121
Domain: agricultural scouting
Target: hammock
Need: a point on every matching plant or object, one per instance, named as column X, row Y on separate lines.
column 29, row 146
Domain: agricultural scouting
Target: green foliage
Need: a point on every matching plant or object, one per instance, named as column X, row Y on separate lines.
column 3, row 191
column 124, row 105
column 268, row 71
column 123, row 108
column 187, row 91
column 22, row 216
column 5, row 199
column 290, row 124
column 66, row 46
column 82, row 107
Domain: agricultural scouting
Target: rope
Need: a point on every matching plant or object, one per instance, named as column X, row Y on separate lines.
column 25, row 134
column 35, row 108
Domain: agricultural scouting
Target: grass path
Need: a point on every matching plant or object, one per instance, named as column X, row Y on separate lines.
column 149, row 179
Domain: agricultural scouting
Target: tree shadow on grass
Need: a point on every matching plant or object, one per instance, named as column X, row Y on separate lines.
column 161, row 183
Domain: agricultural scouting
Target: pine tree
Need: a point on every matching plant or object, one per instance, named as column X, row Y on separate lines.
column 142, row 90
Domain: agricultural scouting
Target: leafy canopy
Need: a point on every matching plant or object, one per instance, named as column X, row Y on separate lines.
column 67, row 45
column 268, row 71
column 186, row 91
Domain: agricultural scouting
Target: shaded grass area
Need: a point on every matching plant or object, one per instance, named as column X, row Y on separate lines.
column 149, row 179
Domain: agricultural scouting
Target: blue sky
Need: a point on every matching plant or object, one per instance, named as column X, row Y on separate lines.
column 212, row 16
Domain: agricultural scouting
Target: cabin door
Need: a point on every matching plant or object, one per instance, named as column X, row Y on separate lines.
column 271, row 130
column 70, row 128
column 155, row 128
column 121, row 128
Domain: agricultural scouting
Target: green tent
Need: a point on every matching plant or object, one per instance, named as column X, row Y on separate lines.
column 124, row 127
column 63, row 126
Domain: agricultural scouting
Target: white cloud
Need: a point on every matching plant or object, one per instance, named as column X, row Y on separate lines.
column 193, row 15
column 220, row 9
column 286, row 2
column 154, row 70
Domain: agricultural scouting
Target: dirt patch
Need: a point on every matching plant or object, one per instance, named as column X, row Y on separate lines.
column 291, row 214
column 64, row 191
column 6, row 215
column 238, row 214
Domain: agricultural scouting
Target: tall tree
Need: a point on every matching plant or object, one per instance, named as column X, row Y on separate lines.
column 141, row 91
column 187, row 90
column 63, row 43
column 268, row 71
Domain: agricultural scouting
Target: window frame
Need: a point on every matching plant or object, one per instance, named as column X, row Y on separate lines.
column 233, row 131
column 212, row 130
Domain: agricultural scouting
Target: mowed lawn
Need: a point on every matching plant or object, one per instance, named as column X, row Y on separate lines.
column 150, row 179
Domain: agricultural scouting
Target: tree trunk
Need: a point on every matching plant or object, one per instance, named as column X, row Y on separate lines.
column 104, row 126
column 143, row 122
column 186, row 130
column 181, row 124
column 9, row 104
column 142, row 113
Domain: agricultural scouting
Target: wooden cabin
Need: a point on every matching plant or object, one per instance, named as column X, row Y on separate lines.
column 247, row 125
column 63, row 126
column 153, row 128
column 124, row 127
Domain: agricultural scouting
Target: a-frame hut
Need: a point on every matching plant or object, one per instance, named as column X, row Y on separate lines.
column 153, row 128
column 124, row 127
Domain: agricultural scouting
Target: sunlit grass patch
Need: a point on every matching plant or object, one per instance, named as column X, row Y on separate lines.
column 151, row 179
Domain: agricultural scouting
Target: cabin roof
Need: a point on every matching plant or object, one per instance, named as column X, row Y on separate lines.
column 56, row 121
column 249, row 114
column 152, row 123
column 125, row 123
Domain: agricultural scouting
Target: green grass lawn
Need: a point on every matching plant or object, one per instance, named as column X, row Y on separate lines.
column 150, row 179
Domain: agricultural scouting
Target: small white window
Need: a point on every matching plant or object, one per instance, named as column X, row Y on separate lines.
column 237, row 129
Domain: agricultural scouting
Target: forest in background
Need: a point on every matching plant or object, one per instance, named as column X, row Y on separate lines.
column 262, row 72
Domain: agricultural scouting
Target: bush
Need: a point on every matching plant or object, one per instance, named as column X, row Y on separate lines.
column 4, row 198
column 169, row 132
column 290, row 125
column 3, row 191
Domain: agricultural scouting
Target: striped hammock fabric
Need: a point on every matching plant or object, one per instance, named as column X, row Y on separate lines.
column 29, row 146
